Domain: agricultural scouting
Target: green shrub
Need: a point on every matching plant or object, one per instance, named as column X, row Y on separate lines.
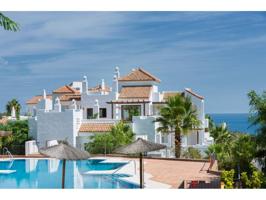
column 245, row 180
column 121, row 134
column 192, row 153
column 15, row 142
column 228, row 178
column 256, row 179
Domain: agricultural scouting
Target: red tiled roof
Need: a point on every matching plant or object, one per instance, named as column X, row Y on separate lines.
column 126, row 101
column 66, row 90
column 70, row 97
column 96, row 127
column 194, row 94
column 135, row 92
column 98, row 88
column 139, row 75
column 36, row 99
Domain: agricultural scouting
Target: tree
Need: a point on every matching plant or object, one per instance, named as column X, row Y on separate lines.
column 211, row 123
column 13, row 103
column 8, row 24
column 243, row 151
column 178, row 116
column 16, row 141
column 192, row 153
column 120, row 134
column 258, row 118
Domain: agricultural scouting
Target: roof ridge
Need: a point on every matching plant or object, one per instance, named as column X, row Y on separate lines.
column 67, row 87
column 138, row 74
column 148, row 74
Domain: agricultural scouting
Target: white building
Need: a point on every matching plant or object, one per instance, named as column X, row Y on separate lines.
column 77, row 111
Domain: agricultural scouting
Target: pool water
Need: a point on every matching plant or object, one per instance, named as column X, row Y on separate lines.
column 44, row 173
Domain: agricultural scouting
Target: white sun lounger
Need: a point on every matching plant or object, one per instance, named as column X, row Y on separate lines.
column 7, row 171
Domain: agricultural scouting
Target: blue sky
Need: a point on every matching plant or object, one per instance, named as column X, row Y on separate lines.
column 220, row 55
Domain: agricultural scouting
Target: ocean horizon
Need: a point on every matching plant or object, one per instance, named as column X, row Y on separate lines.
column 236, row 122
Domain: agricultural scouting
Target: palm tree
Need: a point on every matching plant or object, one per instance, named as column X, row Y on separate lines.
column 8, row 24
column 221, row 134
column 178, row 116
column 13, row 103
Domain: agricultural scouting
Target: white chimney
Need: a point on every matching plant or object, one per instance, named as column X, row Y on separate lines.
column 85, row 85
column 44, row 94
column 73, row 105
column 115, row 86
column 13, row 113
column 57, row 105
column 103, row 84
column 117, row 73
column 224, row 125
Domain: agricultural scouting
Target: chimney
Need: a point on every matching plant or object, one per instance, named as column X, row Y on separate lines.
column 103, row 84
column 73, row 105
column 117, row 73
column 57, row 105
column 13, row 113
column 44, row 94
column 85, row 85
column 115, row 86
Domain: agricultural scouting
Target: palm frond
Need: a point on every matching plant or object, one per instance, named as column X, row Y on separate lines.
column 8, row 24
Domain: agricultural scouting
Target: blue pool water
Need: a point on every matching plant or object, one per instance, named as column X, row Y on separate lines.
column 237, row 122
column 42, row 173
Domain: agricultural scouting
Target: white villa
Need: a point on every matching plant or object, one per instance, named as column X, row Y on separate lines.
column 77, row 111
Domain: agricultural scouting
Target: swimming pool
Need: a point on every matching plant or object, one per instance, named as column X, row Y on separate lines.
column 46, row 173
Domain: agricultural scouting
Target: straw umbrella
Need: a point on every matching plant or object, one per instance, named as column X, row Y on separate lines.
column 64, row 151
column 140, row 146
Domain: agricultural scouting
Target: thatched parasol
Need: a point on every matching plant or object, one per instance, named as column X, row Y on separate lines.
column 140, row 146
column 64, row 151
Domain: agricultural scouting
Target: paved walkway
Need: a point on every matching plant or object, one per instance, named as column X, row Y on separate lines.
column 173, row 172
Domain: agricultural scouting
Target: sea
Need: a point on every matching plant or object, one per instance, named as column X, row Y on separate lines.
column 236, row 122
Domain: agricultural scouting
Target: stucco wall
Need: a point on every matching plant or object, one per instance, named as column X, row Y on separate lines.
column 58, row 126
column 32, row 122
column 88, row 101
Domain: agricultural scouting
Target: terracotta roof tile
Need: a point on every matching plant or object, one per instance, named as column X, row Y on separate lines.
column 96, row 127
column 135, row 92
column 36, row 99
column 139, row 75
column 98, row 88
column 70, row 97
column 66, row 90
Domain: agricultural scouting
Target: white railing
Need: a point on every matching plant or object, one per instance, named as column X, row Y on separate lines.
column 7, row 152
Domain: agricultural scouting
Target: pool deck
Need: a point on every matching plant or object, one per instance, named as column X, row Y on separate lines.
column 159, row 173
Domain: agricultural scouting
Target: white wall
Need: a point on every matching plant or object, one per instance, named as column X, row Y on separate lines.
column 58, row 126
column 32, row 123
column 88, row 101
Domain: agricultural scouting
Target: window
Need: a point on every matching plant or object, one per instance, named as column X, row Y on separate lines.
column 89, row 113
column 128, row 111
column 164, row 139
column 103, row 113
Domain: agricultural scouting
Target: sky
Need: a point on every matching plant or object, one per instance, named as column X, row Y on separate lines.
column 220, row 55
